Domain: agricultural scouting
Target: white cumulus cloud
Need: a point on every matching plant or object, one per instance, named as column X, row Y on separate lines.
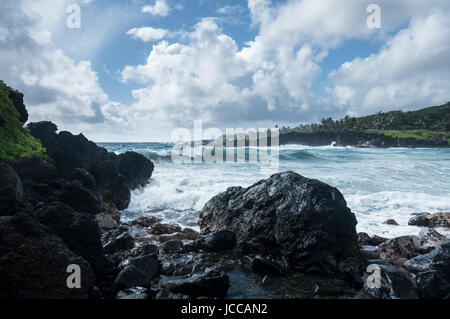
column 147, row 34
column 160, row 8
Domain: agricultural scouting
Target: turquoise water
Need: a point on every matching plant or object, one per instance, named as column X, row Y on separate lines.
column 377, row 183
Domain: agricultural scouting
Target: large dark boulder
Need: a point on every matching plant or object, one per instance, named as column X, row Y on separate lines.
column 303, row 223
column 33, row 262
column 79, row 232
column 11, row 190
column 136, row 169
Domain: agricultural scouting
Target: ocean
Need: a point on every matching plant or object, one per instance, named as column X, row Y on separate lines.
column 378, row 184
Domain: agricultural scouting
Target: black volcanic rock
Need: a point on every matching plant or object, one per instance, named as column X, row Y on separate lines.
column 33, row 262
column 81, row 198
column 80, row 233
column 45, row 131
column 11, row 190
column 212, row 283
column 303, row 223
column 114, row 174
column 17, row 99
column 394, row 283
column 217, row 241
column 136, row 169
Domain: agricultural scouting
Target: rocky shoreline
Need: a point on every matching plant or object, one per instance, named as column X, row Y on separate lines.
column 284, row 237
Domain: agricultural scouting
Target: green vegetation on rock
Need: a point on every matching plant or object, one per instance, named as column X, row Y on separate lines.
column 16, row 142
column 428, row 124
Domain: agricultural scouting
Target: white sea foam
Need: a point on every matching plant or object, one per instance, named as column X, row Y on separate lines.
column 378, row 184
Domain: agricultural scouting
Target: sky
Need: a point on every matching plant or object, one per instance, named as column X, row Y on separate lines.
column 135, row 70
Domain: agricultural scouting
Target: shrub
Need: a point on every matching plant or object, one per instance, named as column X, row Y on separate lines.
column 16, row 142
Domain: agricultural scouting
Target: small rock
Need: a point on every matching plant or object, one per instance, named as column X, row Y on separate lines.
column 116, row 240
column 165, row 293
column 210, row 284
column 398, row 250
column 159, row 229
column 138, row 272
column 105, row 221
column 174, row 236
column 190, row 234
column 146, row 221
column 145, row 249
column 431, row 220
column 171, row 247
column 390, row 222
column 365, row 240
column 133, row 293
column 370, row 252
column 430, row 240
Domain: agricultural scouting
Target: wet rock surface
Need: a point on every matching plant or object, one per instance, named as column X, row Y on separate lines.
column 431, row 220
column 394, row 283
column 304, row 223
column 398, row 250
column 211, row 283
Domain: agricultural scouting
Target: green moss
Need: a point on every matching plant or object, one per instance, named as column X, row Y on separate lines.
column 16, row 142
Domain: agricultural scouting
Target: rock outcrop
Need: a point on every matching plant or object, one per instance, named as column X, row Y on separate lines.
column 302, row 223
column 431, row 220
column 114, row 174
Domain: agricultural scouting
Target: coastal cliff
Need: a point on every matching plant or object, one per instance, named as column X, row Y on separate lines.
column 428, row 127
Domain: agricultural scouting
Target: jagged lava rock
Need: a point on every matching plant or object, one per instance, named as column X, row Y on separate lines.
column 79, row 232
column 114, row 174
column 33, row 262
column 303, row 223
